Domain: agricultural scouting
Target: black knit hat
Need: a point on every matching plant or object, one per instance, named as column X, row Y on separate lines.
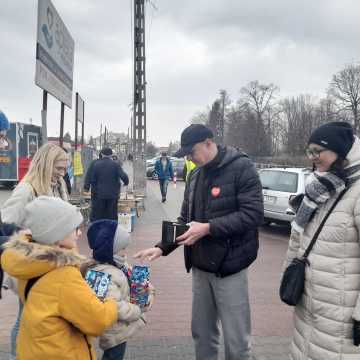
column 106, row 151
column 336, row 136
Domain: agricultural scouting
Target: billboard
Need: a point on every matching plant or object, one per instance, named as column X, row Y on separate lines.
column 54, row 54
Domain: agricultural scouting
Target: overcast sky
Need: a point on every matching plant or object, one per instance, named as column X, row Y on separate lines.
column 194, row 48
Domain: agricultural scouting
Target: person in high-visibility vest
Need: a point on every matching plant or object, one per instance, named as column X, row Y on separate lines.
column 189, row 166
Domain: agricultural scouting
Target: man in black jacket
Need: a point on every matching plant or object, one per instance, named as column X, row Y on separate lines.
column 223, row 206
column 104, row 177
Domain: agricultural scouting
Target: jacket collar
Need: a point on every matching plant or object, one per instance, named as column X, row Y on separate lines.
column 37, row 252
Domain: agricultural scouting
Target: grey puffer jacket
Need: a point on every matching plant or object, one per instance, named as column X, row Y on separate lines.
column 331, row 300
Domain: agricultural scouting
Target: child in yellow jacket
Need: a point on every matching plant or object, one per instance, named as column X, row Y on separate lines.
column 61, row 312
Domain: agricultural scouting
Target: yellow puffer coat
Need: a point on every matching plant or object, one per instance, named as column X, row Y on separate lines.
column 61, row 311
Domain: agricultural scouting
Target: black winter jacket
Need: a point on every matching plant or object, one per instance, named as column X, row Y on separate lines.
column 234, row 214
column 104, row 177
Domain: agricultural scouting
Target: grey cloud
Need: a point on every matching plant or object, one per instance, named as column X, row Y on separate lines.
column 194, row 49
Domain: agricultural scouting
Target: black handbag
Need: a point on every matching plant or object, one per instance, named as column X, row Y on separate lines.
column 293, row 280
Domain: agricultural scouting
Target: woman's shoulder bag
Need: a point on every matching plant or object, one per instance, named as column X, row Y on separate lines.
column 293, row 280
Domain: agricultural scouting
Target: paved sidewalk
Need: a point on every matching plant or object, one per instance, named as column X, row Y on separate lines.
column 167, row 335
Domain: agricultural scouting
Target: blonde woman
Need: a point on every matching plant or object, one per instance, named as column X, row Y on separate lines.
column 44, row 177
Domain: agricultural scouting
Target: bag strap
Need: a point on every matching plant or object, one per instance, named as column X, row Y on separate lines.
column 31, row 282
column 313, row 240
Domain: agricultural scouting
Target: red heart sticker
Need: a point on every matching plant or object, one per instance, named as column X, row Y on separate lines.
column 215, row 191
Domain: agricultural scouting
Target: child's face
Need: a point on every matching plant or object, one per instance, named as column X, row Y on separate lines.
column 70, row 241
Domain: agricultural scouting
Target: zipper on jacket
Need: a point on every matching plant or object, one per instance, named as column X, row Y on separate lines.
column 89, row 347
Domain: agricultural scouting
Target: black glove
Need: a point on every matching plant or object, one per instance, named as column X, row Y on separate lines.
column 356, row 332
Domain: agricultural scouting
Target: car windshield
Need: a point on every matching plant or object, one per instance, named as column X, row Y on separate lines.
column 279, row 180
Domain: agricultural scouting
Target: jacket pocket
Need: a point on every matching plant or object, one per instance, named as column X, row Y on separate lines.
column 208, row 254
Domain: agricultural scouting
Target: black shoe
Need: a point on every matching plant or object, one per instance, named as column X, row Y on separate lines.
column 163, row 199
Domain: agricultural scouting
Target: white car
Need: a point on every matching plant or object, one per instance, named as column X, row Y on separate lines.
column 279, row 186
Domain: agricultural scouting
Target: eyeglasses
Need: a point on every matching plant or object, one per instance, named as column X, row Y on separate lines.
column 315, row 153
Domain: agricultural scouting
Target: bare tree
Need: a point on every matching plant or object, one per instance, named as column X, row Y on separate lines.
column 259, row 99
column 200, row 117
column 345, row 89
column 151, row 149
column 173, row 147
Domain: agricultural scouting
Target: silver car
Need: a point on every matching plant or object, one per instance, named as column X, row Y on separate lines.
column 279, row 186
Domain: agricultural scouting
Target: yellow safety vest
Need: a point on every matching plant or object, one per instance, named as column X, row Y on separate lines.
column 189, row 167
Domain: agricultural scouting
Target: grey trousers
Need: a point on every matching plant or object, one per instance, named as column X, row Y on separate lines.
column 220, row 300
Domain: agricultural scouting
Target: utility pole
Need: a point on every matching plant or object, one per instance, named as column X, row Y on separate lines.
column 222, row 121
column 139, row 103
column 105, row 137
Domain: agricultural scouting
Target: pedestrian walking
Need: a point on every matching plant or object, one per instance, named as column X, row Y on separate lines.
column 61, row 312
column 104, row 178
column 327, row 318
column 164, row 171
column 223, row 207
column 108, row 242
column 44, row 177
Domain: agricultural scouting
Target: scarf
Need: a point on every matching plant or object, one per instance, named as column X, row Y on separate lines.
column 321, row 186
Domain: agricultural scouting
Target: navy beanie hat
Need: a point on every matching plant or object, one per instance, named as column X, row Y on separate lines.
column 106, row 238
column 336, row 136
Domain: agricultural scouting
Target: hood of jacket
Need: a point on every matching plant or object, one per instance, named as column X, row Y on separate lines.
column 353, row 158
column 231, row 154
column 25, row 259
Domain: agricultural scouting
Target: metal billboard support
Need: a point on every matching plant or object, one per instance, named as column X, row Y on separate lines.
column 61, row 138
column 43, row 118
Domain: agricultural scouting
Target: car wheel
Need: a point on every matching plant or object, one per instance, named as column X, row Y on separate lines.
column 267, row 222
column 154, row 175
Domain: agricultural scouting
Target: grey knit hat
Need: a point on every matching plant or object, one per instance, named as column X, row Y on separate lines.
column 51, row 219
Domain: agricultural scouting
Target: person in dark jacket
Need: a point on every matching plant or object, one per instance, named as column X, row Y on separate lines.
column 164, row 171
column 104, row 178
column 223, row 205
column 89, row 173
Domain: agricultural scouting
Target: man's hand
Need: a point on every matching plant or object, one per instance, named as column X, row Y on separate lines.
column 197, row 231
column 148, row 254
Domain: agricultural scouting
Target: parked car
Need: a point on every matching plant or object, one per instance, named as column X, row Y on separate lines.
column 279, row 186
column 178, row 167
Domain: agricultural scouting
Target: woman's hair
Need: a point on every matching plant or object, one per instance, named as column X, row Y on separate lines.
column 41, row 168
column 338, row 168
